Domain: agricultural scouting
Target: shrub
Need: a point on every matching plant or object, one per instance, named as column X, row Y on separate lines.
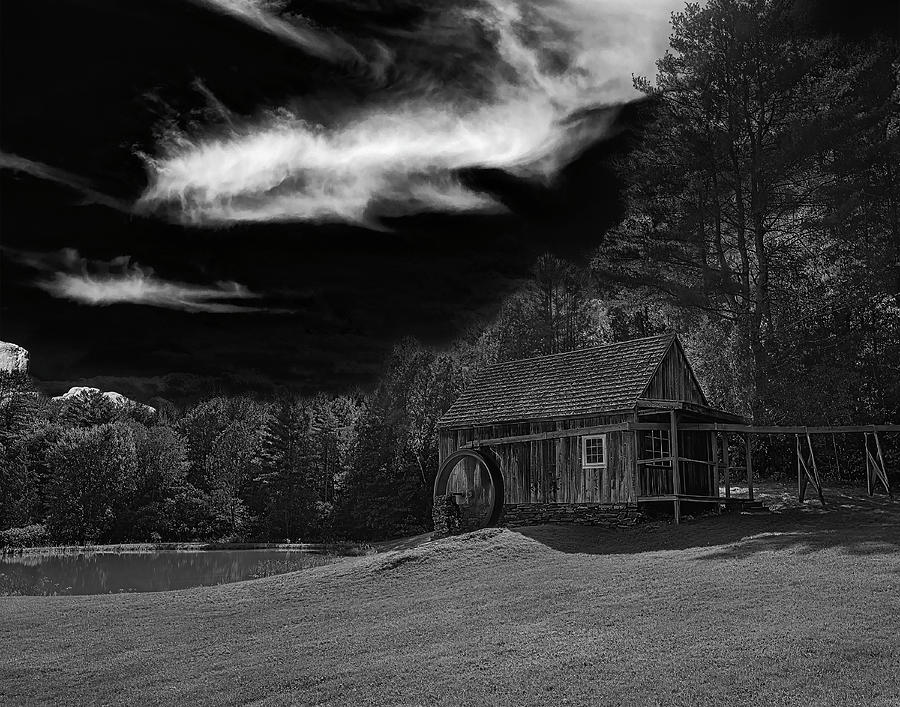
column 29, row 536
column 186, row 514
column 92, row 476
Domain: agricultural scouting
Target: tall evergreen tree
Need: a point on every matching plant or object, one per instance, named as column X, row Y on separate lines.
column 285, row 469
column 733, row 185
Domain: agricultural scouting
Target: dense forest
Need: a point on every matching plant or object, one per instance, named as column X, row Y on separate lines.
column 761, row 223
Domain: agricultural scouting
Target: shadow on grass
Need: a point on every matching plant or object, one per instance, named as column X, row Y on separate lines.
column 852, row 522
column 402, row 543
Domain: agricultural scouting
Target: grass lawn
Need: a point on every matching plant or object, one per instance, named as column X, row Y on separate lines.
column 798, row 608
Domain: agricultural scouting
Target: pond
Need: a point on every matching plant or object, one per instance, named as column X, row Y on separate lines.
column 108, row 572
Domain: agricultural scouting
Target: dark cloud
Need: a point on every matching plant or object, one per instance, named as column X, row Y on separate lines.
column 75, row 183
column 206, row 110
column 849, row 20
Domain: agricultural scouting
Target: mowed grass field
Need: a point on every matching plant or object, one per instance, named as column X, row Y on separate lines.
column 798, row 608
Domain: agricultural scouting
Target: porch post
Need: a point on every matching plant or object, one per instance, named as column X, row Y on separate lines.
column 636, row 454
column 726, row 458
column 714, row 444
column 868, row 464
column 749, row 467
column 676, row 474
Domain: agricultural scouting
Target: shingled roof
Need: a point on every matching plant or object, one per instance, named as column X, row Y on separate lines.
column 601, row 379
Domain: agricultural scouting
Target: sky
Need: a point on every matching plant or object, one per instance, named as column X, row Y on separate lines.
column 224, row 195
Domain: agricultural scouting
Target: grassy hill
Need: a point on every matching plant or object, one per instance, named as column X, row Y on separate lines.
column 798, row 608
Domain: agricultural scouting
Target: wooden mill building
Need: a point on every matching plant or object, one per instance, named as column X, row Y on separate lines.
column 586, row 436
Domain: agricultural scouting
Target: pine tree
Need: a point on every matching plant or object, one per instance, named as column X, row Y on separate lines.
column 735, row 182
column 285, row 469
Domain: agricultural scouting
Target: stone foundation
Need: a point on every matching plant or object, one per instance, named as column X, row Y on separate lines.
column 617, row 515
column 452, row 519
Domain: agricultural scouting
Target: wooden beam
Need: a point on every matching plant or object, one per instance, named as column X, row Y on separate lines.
column 807, row 471
column 636, row 480
column 878, row 447
column 555, row 434
column 871, row 468
column 807, row 476
column 559, row 434
column 786, row 429
column 707, row 462
column 882, row 468
column 725, row 458
column 680, row 497
column 716, row 441
column 657, row 404
column 749, row 467
column 875, row 468
column 673, row 450
column 648, row 405
column 660, row 460
column 815, row 469
column 685, row 426
column 869, row 485
column 657, row 461
column 646, row 426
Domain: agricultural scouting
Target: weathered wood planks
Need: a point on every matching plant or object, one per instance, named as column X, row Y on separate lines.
column 542, row 461
column 674, row 379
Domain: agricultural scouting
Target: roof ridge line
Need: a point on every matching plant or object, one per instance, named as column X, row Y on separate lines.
column 673, row 335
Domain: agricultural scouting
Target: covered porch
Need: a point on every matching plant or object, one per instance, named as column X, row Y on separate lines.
column 682, row 456
column 697, row 466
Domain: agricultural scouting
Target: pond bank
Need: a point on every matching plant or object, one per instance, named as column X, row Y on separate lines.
column 338, row 548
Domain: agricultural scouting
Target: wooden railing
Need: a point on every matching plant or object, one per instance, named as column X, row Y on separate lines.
column 655, row 477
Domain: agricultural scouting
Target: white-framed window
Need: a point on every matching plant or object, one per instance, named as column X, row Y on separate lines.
column 593, row 451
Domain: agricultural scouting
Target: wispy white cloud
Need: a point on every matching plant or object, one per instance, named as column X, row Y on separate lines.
column 120, row 281
column 294, row 30
column 81, row 185
column 139, row 287
column 553, row 61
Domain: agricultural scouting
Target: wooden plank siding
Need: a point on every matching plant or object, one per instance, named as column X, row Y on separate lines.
column 674, row 379
column 550, row 470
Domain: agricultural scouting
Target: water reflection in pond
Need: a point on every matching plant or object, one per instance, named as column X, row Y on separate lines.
column 103, row 573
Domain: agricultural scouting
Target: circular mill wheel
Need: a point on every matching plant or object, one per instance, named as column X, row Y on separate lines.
column 475, row 480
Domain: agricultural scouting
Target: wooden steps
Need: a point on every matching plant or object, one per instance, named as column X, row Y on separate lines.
column 745, row 506
column 753, row 508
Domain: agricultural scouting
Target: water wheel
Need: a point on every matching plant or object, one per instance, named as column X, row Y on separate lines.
column 474, row 479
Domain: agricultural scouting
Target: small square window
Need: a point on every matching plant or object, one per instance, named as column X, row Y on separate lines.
column 593, row 451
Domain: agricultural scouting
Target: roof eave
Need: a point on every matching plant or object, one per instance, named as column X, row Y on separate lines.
column 648, row 406
column 442, row 425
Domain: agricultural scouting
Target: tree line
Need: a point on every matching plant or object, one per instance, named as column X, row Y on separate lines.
column 87, row 469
